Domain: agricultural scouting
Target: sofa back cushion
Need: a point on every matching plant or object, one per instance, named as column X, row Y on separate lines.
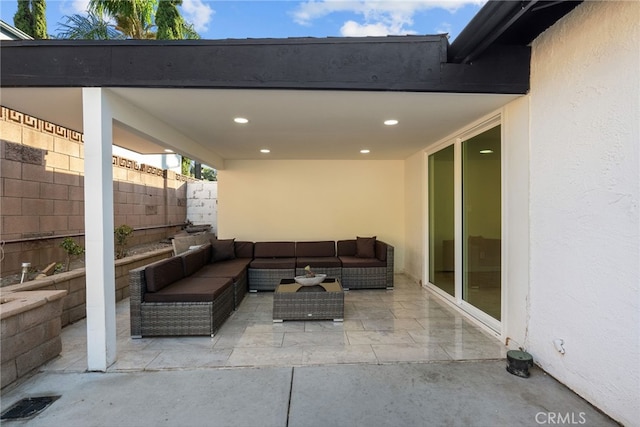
column 222, row 250
column 193, row 261
column 244, row 249
column 366, row 247
column 347, row 247
column 163, row 273
column 316, row 249
column 381, row 250
column 274, row 250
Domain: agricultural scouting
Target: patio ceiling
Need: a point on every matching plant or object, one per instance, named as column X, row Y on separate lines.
column 293, row 124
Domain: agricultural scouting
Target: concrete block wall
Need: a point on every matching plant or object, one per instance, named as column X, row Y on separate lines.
column 74, row 304
column 30, row 332
column 42, row 193
column 202, row 203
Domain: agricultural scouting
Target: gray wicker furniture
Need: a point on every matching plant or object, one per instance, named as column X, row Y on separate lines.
column 362, row 271
column 292, row 301
column 190, row 294
column 271, row 262
column 355, row 268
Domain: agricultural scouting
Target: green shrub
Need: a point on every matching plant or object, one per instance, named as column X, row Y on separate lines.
column 122, row 234
column 72, row 249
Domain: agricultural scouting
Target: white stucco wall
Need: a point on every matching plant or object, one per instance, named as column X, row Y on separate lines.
column 264, row 200
column 585, row 179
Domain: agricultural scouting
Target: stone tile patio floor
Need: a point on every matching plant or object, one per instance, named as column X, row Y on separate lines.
column 406, row 324
column 394, row 361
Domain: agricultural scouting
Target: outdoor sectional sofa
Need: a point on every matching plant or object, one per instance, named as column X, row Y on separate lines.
column 357, row 263
column 192, row 293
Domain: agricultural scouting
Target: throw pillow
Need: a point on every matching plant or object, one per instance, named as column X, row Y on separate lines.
column 366, row 247
column 222, row 250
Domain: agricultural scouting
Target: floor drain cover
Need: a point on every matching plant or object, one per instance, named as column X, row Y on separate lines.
column 28, row 407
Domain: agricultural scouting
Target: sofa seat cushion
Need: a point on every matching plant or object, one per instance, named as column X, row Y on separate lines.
column 356, row 262
column 191, row 289
column 233, row 268
column 163, row 273
column 318, row 262
column 273, row 263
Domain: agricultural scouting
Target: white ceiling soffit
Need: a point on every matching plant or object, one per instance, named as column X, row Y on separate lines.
column 293, row 124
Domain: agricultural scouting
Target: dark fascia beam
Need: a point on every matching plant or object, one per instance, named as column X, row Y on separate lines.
column 406, row 63
column 487, row 25
column 506, row 23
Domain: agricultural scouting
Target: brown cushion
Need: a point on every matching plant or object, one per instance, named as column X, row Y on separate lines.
column 163, row 273
column 274, row 250
column 191, row 289
column 233, row 268
column 244, row 249
column 222, row 250
column 192, row 261
column 317, row 262
column 316, row 249
column 273, row 263
column 356, row 262
column 366, row 247
column 346, row 247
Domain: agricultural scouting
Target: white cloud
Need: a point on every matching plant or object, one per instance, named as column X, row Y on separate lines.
column 353, row 29
column 444, row 28
column 197, row 13
column 380, row 17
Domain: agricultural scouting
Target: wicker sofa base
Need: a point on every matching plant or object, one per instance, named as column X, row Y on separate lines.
column 365, row 278
column 266, row 279
column 185, row 318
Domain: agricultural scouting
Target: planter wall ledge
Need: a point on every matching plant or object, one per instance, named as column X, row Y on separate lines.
column 30, row 331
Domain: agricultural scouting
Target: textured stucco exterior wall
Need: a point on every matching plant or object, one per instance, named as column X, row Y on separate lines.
column 585, row 95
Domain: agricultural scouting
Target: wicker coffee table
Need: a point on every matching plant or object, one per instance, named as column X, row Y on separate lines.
column 292, row 301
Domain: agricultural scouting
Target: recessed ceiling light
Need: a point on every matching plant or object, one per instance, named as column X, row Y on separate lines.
column 168, row 150
column 487, row 151
column 265, row 151
column 391, row 122
column 365, row 151
column 241, row 120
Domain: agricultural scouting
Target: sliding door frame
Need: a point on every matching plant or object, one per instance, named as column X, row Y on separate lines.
column 457, row 300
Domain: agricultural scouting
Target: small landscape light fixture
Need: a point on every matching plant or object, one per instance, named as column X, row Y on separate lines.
column 519, row 362
column 241, row 120
column 391, row 122
column 265, row 151
column 487, row 151
column 365, row 151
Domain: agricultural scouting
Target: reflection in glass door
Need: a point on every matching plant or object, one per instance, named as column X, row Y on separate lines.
column 481, row 222
column 442, row 220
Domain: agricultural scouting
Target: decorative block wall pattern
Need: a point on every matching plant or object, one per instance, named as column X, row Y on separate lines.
column 42, row 192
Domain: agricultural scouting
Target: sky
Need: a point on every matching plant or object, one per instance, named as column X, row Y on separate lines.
column 288, row 18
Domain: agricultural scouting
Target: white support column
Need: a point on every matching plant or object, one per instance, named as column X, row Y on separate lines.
column 98, row 217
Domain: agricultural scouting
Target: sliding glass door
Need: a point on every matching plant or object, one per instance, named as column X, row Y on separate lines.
column 465, row 214
column 481, row 222
column 441, row 220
